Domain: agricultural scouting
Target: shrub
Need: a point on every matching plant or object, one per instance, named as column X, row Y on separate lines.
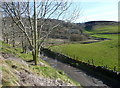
column 77, row 37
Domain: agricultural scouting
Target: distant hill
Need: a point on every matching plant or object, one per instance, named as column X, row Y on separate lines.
column 101, row 26
column 62, row 31
column 91, row 25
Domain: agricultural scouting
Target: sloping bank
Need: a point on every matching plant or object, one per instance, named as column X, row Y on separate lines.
column 109, row 77
column 18, row 70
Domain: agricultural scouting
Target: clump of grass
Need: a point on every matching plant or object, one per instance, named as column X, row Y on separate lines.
column 6, row 48
column 49, row 72
column 8, row 77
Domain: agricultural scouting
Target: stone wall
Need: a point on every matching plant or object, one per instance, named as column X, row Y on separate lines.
column 101, row 71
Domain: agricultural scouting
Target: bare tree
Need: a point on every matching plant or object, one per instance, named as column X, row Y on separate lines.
column 25, row 16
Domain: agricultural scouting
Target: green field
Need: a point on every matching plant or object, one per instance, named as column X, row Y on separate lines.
column 103, row 53
column 105, row 29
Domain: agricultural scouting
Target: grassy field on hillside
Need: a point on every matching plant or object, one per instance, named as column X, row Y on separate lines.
column 105, row 29
column 109, row 36
column 104, row 53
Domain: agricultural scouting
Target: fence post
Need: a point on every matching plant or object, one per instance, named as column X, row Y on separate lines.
column 114, row 68
column 88, row 62
column 92, row 61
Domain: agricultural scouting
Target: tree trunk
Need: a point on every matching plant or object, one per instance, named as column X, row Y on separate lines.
column 13, row 43
column 13, row 38
column 7, row 40
column 35, row 57
column 35, row 50
column 22, row 43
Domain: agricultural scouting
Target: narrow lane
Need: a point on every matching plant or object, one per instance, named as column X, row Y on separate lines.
column 76, row 74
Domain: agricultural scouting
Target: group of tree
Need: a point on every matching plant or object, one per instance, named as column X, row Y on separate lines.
column 28, row 23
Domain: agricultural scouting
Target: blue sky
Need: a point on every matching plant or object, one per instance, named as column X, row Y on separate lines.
column 93, row 10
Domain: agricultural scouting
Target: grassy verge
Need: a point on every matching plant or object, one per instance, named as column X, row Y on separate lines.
column 46, row 70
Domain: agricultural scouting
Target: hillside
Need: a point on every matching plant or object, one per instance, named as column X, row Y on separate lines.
column 18, row 70
column 101, row 26
column 62, row 31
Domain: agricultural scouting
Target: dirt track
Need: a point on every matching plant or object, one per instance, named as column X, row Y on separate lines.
column 76, row 74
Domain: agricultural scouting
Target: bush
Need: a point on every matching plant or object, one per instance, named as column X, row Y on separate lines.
column 77, row 37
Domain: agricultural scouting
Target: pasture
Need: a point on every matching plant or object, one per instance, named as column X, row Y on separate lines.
column 105, row 29
column 103, row 53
